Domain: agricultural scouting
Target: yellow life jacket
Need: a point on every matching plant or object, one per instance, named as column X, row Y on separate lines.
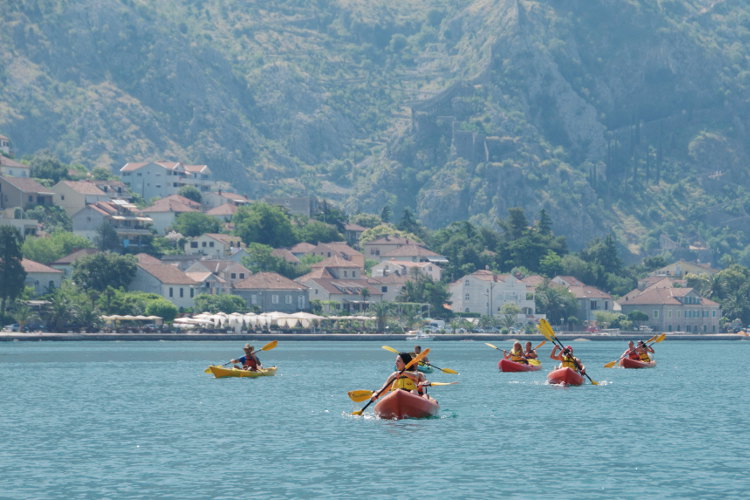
column 645, row 357
column 518, row 358
column 569, row 362
column 405, row 383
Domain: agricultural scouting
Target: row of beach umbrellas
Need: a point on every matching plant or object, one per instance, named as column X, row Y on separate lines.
column 240, row 321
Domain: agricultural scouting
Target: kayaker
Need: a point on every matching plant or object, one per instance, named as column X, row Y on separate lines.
column 631, row 352
column 413, row 381
column 417, row 351
column 567, row 359
column 530, row 353
column 249, row 361
column 516, row 354
column 643, row 349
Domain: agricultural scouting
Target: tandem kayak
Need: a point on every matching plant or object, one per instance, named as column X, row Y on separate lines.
column 636, row 363
column 507, row 365
column 404, row 404
column 565, row 376
column 221, row 372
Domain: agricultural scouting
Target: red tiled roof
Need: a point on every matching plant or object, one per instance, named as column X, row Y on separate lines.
column 27, row 185
column 410, row 250
column 302, row 247
column 196, row 168
column 165, row 273
column 335, row 261
column 225, row 209
column 174, row 203
column 84, row 187
column 31, row 266
column 268, row 281
column 74, row 256
column 10, row 162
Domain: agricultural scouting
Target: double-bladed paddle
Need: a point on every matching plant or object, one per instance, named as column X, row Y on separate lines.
column 654, row 340
column 444, row 370
column 411, row 363
column 549, row 334
column 266, row 347
column 361, row 395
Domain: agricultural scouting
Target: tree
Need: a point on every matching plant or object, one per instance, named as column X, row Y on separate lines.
column 544, row 225
column 94, row 273
column 409, row 224
column 509, row 314
column 49, row 249
column 195, row 224
column 46, row 166
column 259, row 259
column 191, row 193
column 385, row 214
column 52, row 218
column 424, row 290
column 315, row 231
column 220, row 303
column 366, row 220
column 556, row 302
column 12, row 273
column 70, row 309
column 264, row 223
column 103, row 174
column 163, row 308
column 106, row 238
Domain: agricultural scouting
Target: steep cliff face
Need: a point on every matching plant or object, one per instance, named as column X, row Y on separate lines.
column 573, row 108
column 613, row 114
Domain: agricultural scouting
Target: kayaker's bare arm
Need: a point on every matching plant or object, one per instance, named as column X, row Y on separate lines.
column 554, row 355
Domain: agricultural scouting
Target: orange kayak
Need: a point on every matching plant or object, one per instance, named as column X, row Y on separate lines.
column 400, row 404
column 507, row 365
column 636, row 363
column 565, row 376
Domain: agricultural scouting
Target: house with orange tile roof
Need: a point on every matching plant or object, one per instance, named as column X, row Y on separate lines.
column 41, row 278
column 223, row 213
column 154, row 276
column 268, row 292
column 72, row 196
column 132, row 228
column 673, row 308
column 589, row 298
column 23, row 192
column 165, row 210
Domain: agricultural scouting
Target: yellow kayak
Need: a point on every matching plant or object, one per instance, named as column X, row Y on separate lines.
column 221, row 372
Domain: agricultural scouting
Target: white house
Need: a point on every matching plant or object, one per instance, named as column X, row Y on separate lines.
column 213, row 245
column 43, row 279
column 153, row 276
column 162, row 178
column 12, row 168
column 485, row 293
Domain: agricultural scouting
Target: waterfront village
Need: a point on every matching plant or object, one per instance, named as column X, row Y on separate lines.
column 345, row 289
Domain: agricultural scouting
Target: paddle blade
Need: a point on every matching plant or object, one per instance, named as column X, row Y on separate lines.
column 540, row 344
column 270, row 345
column 389, row 348
column 494, row 347
column 534, row 362
column 660, row 338
column 359, row 396
column 611, row 364
column 448, row 370
column 546, row 329
column 358, row 412
column 442, row 383
column 593, row 382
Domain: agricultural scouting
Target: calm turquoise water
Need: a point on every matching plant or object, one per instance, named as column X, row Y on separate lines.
column 142, row 420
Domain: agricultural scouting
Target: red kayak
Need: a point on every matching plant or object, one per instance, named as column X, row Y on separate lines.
column 404, row 404
column 507, row 365
column 636, row 363
column 565, row 376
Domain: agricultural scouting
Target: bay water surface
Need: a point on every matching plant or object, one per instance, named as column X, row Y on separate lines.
column 143, row 420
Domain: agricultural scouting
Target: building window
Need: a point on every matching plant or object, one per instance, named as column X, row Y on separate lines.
column 384, row 289
column 656, row 314
column 288, row 299
column 203, row 244
column 466, row 297
column 211, row 244
column 171, row 292
column 182, row 291
column 192, row 291
column 274, row 299
column 233, row 275
column 242, row 276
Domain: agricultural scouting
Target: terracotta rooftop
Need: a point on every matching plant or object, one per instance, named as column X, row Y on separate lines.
column 27, row 185
column 268, row 281
column 165, row 273
column 173, row 203
column 84, row 187
column 225, row 209
column 31, row 266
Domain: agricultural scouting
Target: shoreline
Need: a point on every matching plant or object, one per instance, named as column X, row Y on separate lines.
column 568, row 336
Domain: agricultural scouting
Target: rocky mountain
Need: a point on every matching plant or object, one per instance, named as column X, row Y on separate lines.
column 616, row 115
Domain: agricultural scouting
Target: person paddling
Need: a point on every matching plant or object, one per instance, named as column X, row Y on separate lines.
column 631, row 352
column 412, row 380
column 530, row 353
column 567, row 360
column 249, row 361
column 516, row 354
column 417, row 351
column 643, row 349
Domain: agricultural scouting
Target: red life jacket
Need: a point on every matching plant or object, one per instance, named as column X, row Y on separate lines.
column 250, row 363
